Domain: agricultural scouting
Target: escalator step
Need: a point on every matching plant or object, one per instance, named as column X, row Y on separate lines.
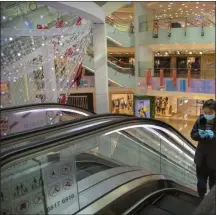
column 175, row 205
column 153, row 210
column 190, row 199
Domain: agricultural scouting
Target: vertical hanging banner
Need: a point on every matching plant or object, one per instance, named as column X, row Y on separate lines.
column 161, row 77
column 148, row 78
column 202, row 30
column 169, row 27
column 189, row 77
column 174, row 78
column 155, row 29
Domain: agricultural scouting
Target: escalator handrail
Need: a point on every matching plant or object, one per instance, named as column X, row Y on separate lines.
column 20, row 152
column 99, row 205
column 130, row 65
column 61, row 125
column 29, row 106
column 151, row 195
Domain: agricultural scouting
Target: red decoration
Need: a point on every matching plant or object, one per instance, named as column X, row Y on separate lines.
column 59, row 23
column 161, row 77
column 78, row 76
column 63, row 100
column 69, row 52
column 148, row 77
column 79, row 21
column 42, row 26
column 174, row 78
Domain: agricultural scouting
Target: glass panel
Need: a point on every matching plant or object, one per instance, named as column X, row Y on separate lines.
column 15, row 121
column 150, row 149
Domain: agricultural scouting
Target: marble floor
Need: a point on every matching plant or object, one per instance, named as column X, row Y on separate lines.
column 183, row 125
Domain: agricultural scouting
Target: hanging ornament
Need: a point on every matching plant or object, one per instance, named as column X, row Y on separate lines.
column 185, row 26
column 59, row 23
column 79, row 21
column 169, row 27
column 78, row 76
column 202, row 30
column 42, row 26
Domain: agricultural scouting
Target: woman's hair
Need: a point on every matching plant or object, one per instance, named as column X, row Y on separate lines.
column 209, row 104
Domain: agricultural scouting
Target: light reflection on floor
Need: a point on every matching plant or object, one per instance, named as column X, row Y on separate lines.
column 184, row 126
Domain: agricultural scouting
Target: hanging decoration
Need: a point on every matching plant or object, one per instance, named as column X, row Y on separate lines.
column 155, row 26
column 79, row 21
column 202, row 29
column 59, row 23
column 185, row 26
column 174, row 78
column 148, row 78
column 155, row 29
column 189, row 77
column 169, row 27
column 78, row 76
column 161, row 77
column 42, row 26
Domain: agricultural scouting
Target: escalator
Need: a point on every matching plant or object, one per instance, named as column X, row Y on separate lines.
column 27, row 117
column 123, row 75
column 109, row 157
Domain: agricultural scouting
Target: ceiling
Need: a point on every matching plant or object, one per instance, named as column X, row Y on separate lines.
column 177, row 11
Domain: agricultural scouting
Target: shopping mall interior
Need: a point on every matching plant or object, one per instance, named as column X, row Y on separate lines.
column 98, row 100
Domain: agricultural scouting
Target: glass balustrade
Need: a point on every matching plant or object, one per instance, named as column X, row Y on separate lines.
column 59, row 179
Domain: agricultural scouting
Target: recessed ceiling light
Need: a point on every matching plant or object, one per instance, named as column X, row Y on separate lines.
column 183, row 4
column 186, row 6
column 196, row 7
column 204, row 4
column 200, row 52
column 169, row 8
column 197, row 2
column 161, row 6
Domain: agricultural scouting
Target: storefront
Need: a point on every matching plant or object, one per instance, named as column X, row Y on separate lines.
column 121, row 103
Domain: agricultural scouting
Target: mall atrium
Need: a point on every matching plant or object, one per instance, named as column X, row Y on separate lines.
column 98, row 100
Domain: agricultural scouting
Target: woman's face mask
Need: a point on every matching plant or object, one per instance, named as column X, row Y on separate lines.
column 209, row 117
column 209, row 114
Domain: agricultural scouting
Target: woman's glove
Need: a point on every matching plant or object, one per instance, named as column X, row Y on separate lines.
column 203, row 133
column 210, row 133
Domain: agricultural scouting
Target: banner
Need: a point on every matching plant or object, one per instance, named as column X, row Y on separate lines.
column 174, row 78
column 161, row 77
column 148, row 77
column 169, row 28
column 155, row 29
column 189, row 77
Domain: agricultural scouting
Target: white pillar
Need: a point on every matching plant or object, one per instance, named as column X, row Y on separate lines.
column 144, row 58
column 101, row 68
column 49, row 74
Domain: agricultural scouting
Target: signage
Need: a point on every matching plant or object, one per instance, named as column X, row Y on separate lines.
column 23, row 192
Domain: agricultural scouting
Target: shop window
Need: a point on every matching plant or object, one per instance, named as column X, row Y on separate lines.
column 162, row 63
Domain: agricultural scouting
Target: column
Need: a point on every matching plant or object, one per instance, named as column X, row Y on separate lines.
column 101, row 68
column 49, row 74
column 144, row 58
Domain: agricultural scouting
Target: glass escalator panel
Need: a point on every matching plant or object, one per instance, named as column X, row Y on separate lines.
column 49, row 177
column 24, row 118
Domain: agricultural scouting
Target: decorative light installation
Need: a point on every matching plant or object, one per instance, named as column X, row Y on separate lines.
column 22, row 56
